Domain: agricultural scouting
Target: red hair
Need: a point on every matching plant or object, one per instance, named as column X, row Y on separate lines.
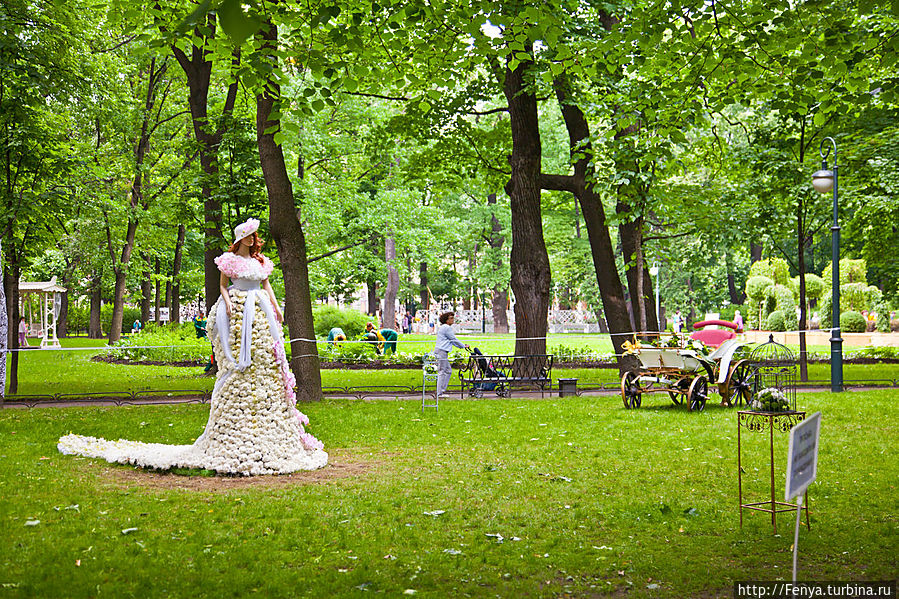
column 255, row 248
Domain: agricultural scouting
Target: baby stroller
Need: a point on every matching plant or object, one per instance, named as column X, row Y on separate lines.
column 486, row 370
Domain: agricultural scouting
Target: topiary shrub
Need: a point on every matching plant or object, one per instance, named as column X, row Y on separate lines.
column 852, row 322
column 756, row 293
column 756, row 287
column 775, row 269
column 883, row 317
column 814, row 286
column 327, row 317
column 775, row 321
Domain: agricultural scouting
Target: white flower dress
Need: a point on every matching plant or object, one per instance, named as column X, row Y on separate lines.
column 254, row 426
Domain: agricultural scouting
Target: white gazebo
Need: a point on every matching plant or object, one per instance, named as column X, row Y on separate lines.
column 50, row 300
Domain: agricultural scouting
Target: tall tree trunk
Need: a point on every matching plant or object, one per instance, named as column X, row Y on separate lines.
column 372, row 287
column 11, row 273
column 198, row 71
column 500, row 305
column 288, row 233
column 62, row 320
column 423, row 294
column 157, row 300
column 755, row 252
column 500, row 294
column 95, row 328
column 11, row 283
column 176, row 275
column 146, row 291
column 736, row 296
column 62, row 324
column 637, row 274
column 610, row 289
column 529, row 262
column 4, row 333
column 393, row 283
column 803, row 298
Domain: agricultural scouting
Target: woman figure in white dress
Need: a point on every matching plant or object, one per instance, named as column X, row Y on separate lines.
column 254, row 426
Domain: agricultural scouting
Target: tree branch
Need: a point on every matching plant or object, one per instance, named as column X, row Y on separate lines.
column 558, row 182
column 340, row 249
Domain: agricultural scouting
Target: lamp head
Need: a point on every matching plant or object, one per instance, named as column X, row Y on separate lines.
column 653, row 271
column 822, row 180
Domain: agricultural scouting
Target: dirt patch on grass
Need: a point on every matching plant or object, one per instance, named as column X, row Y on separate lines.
column 341, row 464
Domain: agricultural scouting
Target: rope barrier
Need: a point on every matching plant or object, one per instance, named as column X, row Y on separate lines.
column 419, row 341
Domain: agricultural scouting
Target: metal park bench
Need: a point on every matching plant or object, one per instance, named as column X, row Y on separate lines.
column 500, row 373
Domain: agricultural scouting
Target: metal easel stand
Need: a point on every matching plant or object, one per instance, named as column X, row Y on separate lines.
column 762, row 422
column 429, row 373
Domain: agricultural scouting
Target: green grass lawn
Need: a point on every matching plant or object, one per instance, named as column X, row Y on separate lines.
column 589, row 499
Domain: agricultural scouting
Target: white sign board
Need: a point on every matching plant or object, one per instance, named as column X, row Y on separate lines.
column 802, row 459
column 163, row 315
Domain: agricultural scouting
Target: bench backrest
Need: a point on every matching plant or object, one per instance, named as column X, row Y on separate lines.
column 536, row 366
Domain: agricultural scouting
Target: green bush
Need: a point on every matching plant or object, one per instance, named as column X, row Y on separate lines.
column 879, row 353
column 883, row 317
column 186, row 346
column 852, row 322
column 854, row 296
column 814, row 286
column 775, row 321
column 351, row 321
column 129, row 315
column 825, row 312
column 78, row 318
column 775, row 269
column 756, row 287
column 851, row 271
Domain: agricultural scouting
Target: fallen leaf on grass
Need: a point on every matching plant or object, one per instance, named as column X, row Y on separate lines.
column 452, row 551
column 128, row 531
column 495, row 535
column 435, row 513
column 32, row 522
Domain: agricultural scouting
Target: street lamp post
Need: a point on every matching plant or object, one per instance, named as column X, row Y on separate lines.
column 654, row 273
column 823, row 181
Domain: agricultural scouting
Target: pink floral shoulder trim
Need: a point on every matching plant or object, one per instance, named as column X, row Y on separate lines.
column 238, row 267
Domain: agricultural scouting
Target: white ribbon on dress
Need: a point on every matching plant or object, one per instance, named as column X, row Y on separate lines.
column 222, row 323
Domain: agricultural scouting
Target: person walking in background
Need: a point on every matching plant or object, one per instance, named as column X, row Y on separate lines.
column 407, row 322
column 678, row 321
column 23, row 333
column 446, row 339
column 738, row 320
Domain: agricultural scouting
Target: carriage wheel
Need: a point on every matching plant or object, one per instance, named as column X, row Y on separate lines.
column 678, row 397
column 698, row 394
column 739, row 384
column 631, row 393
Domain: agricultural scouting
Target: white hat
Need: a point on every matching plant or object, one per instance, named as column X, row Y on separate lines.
column 244, row 229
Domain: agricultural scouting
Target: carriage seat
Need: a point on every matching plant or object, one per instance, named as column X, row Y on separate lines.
column 714, row 337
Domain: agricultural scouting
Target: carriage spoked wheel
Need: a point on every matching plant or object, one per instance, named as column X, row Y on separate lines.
column 631, row 393
column 739, row 384
column 698, row 394
column 677, row 397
